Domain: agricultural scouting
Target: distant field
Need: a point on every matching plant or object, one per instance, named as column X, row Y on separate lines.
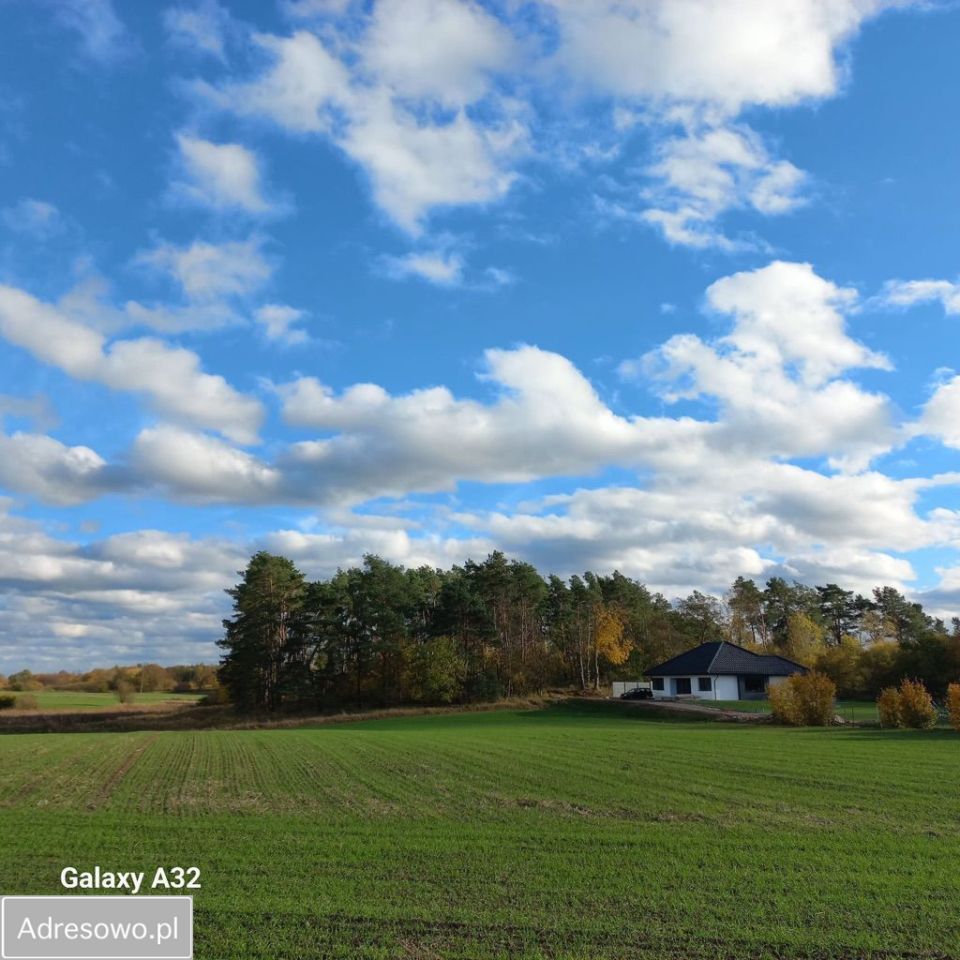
column 571, row 832
column 60, row 700
column 859, row 711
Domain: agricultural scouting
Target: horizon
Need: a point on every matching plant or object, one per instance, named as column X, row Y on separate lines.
column 432, row 278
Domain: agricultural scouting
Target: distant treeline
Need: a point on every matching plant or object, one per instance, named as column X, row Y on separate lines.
column 144, row 678
column 382, row 635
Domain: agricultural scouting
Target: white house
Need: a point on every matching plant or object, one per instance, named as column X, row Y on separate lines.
column 720, row 671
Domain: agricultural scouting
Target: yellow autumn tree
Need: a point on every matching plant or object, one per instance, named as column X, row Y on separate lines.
column 805, row 639
column 609, row 642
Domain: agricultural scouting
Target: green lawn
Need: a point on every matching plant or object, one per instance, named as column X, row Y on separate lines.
column 574, row 832
column 70, row 700
column 857, row 711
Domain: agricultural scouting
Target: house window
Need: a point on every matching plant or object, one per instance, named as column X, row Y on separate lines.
column 704, row 685
column 658, row 683
column 754, row 684
column 683, row 685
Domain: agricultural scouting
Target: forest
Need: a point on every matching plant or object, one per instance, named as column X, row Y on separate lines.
column 381, row 635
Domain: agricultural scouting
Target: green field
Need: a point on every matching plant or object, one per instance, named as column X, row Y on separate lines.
column 575, row 831
column 856, row 711
column 70, row 700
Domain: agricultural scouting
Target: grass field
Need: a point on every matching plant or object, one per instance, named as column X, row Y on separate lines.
column 70, row 700
column 578, row 832
column 857, row 711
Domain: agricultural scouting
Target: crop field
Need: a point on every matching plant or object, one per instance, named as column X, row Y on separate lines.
column 573, row 832
column 70, row 700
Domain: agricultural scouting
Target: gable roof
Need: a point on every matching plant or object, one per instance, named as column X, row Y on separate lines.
column 724, row 658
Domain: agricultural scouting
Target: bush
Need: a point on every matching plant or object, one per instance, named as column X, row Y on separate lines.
column 916, row 706
column 124, row 691
column 7, row 701
column 888, row 706
column 953, row 705
column 217, row 697
column 27, row 702
column 910, row 706
column 804, row 700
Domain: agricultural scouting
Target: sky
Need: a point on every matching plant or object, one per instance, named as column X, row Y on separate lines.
column 663, row 286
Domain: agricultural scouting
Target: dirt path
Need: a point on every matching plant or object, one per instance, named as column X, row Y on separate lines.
column 679, row 706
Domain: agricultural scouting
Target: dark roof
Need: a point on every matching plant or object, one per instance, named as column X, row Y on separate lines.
column 724, row 658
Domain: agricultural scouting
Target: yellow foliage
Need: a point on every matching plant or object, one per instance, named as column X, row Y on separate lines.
column 804, row 700
column 609, row 639
column 910, row 706
column 953, row 705
column 916, row 706
column 888, row 706
column 804, row 639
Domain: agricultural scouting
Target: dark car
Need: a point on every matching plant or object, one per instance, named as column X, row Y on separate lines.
column 638, row 693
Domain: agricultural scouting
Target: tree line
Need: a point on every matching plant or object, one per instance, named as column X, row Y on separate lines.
column 381, row 635
column 142, row 678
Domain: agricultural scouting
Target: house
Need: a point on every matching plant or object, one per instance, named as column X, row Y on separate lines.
column 720, row 671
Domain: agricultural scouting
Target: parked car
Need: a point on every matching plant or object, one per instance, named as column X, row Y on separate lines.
column 638, row 693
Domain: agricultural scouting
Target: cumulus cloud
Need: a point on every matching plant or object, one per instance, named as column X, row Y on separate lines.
column 436, row 100
column 209, row 271
column 153, row 595
column 220, row 176
column 778, row 374
column 710, row 52
column 170, row 378
column 398, row 109
column 277, row 322
column 49, row 470
column 698, row 177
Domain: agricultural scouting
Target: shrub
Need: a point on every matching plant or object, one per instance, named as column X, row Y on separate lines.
column 953, row 705
column 804, row 700
column 27, row 702
column 888, row 706
column 7, row 701
column 124, row 691
column 916, row 706
column 782, row 704
column 910, row 706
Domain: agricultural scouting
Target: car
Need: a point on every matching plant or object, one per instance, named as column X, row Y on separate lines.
column 638, row 693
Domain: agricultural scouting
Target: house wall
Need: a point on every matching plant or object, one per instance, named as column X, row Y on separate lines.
column 726, row 688
column 670, row 688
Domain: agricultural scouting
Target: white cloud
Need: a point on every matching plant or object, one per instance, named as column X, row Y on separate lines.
column 907, row 293
column 201, row 468
column 36, row 218
column 208, row 271
column 200, row 27
column 438, row 267
column 441, row 50
column 941, row 414
column 169, row 377
column 220, row 176
column 436, row 100
column 710, row 53
column 277, row 321
column 777, row 374
column 45, row 468
column 698, row 177
column 383, row 110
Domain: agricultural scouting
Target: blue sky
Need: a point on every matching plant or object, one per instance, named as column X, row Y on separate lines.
column 668, row 286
